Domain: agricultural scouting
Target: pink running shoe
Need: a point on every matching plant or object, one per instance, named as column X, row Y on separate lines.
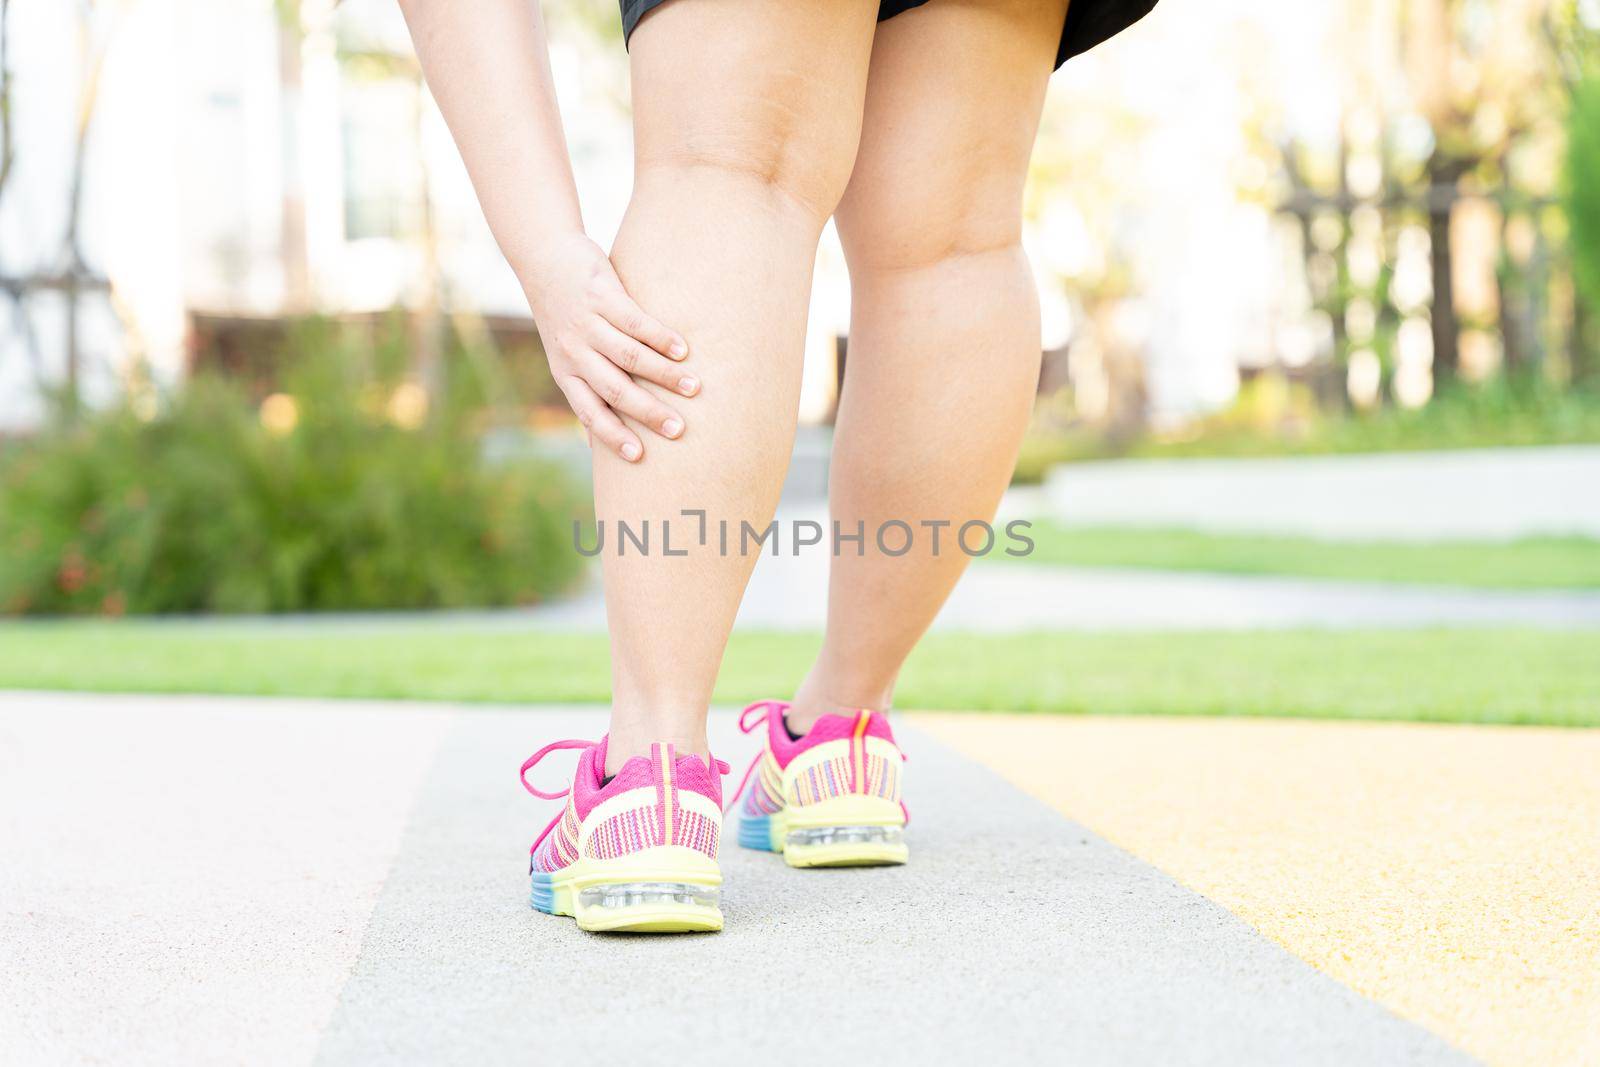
column 638, row 852
column 828, row 799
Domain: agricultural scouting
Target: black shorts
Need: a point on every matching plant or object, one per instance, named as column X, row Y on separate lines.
column 1089, row 22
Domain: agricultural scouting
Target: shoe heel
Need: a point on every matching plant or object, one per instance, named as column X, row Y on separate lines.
column 848, row 831
column 666, row 889
column 845, row 846
column 649, row 907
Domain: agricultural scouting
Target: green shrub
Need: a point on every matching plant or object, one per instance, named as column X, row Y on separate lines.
column 218, row 503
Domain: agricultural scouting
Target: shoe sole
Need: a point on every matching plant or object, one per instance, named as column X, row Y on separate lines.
column 848, row 831
column 666, row 889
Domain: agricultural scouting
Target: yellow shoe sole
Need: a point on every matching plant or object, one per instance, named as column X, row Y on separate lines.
column 848, row 831
column 666, row 889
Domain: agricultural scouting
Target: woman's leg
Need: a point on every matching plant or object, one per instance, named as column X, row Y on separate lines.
column 944, row 327
column 746, row 121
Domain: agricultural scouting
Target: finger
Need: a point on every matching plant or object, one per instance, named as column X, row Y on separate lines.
column 600, row 421
column 624, row 395
column 642, row 362
column 620, row 310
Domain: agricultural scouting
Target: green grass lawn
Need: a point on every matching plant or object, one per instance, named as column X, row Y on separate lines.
column 1508, row 676
column 1532, row 563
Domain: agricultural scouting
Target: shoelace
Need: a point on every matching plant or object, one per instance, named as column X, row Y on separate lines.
column 533, row 761
column 766, row 707
column 718, row 766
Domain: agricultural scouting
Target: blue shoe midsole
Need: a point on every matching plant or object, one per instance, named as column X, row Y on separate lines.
column 755, row 831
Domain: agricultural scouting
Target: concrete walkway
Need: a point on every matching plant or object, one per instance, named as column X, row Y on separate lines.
column 791, row 593
column 1469, row 494
column 204, row 880
column 1016, row 597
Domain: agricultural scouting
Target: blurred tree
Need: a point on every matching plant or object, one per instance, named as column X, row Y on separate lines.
column 1576, row 44
column 70, row 274
column 1582, row 192
column 437, row 320
column 293, row 250
column 1479, row 74
column 96, row 30
column 1449, row 121
column 8, row 154
column 7, row 145
column 1087, row 209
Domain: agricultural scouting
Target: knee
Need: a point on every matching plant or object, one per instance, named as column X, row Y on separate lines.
column 895, row 219
column 910, row 250
column 893, row 238
column 771, row 153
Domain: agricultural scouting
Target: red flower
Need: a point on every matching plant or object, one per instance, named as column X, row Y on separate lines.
column 73, row 572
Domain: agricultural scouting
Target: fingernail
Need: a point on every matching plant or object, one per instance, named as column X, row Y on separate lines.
column 672, row 427
column 679, row 349
column 630, row 451
column 688, row 386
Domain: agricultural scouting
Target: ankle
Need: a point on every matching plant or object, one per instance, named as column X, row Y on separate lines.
column 620, row 750
column 632, row 735
column 819, row 696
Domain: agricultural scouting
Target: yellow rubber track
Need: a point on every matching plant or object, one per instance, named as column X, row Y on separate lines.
column 1450, row 872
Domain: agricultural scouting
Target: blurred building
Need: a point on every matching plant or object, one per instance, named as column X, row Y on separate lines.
column 237, row 171
column 239, row 167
